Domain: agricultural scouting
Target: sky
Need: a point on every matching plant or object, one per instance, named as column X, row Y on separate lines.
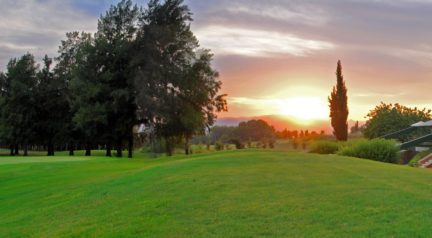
column 275, row 57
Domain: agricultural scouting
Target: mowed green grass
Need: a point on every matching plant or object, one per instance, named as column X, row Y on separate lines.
column 248, row 193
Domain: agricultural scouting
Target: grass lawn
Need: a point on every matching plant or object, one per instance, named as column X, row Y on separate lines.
column 225, row 194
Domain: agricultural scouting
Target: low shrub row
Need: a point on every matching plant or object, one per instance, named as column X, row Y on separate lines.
column 325, row 147
column 376, row 149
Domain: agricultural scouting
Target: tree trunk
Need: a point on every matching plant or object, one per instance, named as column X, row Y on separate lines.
column 119, row 148
column 108, row 150
column 26, row 150
column 87, row 149
column 130, row 146
column 16, row 149
column 50, row 148
column 71, row 149
column 169, row 149
column 11, row 147
column 186, row 146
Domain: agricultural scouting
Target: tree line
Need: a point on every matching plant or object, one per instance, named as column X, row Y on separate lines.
column 302, row 134
column 241, row 136
column 143, row 65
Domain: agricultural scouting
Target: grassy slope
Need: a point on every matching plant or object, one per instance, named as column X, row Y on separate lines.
column 226, row 194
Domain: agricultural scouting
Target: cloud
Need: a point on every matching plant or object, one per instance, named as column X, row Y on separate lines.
column 257, row 43
column 299, row 13
column 37, row 26
column 382, row 95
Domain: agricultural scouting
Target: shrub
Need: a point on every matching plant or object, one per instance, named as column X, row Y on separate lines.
column 197, row 149
column 271, row 144
column 295, row 144
column 324, row 147
column 249, row 144
column 377, row 149
column 238, row 144
column 304, row 146
column 414, row 161
column 219, row 146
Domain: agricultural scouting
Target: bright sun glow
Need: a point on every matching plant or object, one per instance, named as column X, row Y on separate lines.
column 300, row 109
column 304, row 109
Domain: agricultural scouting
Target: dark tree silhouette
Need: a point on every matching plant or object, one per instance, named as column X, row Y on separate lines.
column 338, row 101
column 18, row 103
column 143, row 65
column 178, row 88
column 52, row 108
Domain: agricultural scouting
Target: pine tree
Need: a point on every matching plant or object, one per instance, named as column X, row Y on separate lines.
column 178, row 88
column 52, row 108
column 114, row 41
column 338, row 101
column 18, row 104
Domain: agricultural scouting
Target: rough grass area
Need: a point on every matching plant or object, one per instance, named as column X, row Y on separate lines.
column 226, row 194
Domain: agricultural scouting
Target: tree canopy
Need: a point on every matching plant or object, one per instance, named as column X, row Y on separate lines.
column 143, row 65
column 388, row 118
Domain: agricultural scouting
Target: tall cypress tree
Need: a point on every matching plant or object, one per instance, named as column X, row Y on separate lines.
column 338, row 101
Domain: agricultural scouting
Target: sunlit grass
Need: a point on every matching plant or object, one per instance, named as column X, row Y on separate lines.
column 251, row 193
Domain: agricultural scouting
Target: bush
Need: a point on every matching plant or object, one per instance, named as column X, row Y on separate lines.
column 238, row 144
column 295, row 144
column 414, row 161
column 198, row 149
column 271, row 144
column 219, row 146
column 377, row 149
column 324, row 147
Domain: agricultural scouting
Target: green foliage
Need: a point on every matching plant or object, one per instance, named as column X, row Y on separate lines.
column 244, row 133
column 104, row 99
column 18, row 109
column 219, row 146
column 178, row 87
column 255, row 130
column 222, row 133
column 376, row 149
column 324, row 147
column 338, row 102
column 238, row 144
column 414, row 161
column 143, row 65
column 271, row 144
column 388, row 118
column 53, row 121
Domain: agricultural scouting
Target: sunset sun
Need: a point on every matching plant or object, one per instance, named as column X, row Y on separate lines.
column 304, row 109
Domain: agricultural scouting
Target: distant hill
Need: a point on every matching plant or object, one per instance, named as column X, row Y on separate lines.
column 282, row 122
